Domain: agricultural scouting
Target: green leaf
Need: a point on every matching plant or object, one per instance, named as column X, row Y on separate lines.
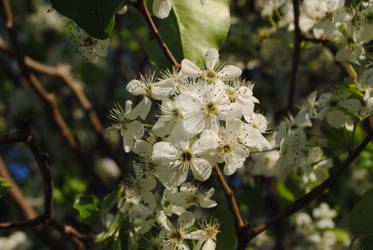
column 201, row 26
column 96, row 17
column 87, row 205
column 170, row 33
column 4, row 186
column 190, row 30
column 340, row 234
column 361, row 217
column 110, row 200
column 285, row 192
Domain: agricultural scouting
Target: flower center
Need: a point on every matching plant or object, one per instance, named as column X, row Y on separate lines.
column 210, row 75
column 210, row 108
column 176, row 236
column 186, row 156
column 175, row 113
column 193, row 199
column 227, row 148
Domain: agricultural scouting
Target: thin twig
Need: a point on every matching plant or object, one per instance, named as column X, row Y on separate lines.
column 62, row 72
column 41, row 158
column 16, row 193
column 307, row 198
column 141, row 6
column 346, row 67
column 34, row 83
column 231, row 199
column 296, row 56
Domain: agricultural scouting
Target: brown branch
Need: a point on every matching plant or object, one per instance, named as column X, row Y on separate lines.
column 141, row 6
column 305, row 199
column 333, row 49
column 231, row 199
column 296, row 57
column 62, row 72
column 47, row 98
column 86, row 239
column 41, row 158
column 16, row 194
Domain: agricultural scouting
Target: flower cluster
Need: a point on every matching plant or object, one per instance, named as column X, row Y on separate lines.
column 346, row 25
column 317, row 232
column 206, row 118
column 290, row 154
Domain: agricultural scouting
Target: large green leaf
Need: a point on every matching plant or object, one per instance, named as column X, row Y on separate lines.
column 87, row 205
column 201, row 26
column 361, row 217
column 190, row 30
column 4, row 186
column 96, row 17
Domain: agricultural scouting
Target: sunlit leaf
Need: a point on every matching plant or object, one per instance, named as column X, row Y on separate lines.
column 87, row 205
column 201, row 26
column 4, row 186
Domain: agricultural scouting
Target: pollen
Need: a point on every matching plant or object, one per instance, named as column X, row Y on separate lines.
column 186, row 156
column 210, row 108
column 210, row 75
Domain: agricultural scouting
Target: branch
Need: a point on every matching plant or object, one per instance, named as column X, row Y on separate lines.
column 141, row 6
column 16, row 194
column 346, row 67
column 307, row 198
column 34, row 83
column 86, row 239
column 231, row 199
column 62, row 72
column 296, row 56
column 41, row 158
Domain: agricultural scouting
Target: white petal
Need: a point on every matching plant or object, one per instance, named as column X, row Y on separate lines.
column 352, row 105
column 135, row 129
column 208, row 203
column 170, row 177
column 128, row 142
column 141, row 110
column 149, row 198
column 143, row 148
column 162, row 8
column 164, row 222
column 186, row 220
column 335, row 118
column 164, row 151
column 209, row 245
column 212, row 57
column 128, row 107
column 190, row 69
column 163, row 126
column 161, row 93
column 231, row 166
column 196, row 235
column 229, row 72
column 136, row 87
column 252, row 137
column 194, row 123
column 233, row 128
column 207, row 142
column 201, row 169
